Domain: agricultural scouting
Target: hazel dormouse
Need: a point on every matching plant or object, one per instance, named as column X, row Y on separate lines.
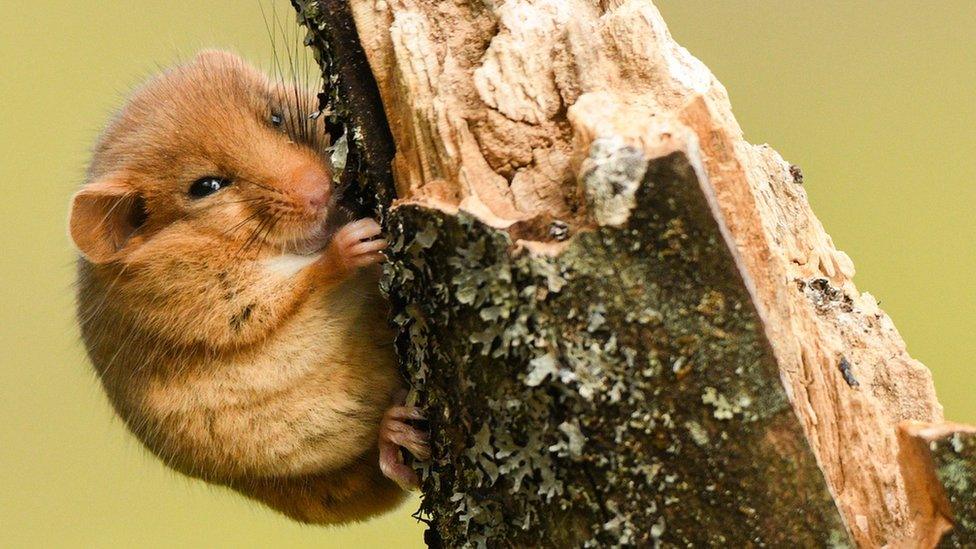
column 230, row 309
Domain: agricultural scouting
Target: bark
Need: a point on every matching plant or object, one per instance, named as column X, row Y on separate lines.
column 624, row 321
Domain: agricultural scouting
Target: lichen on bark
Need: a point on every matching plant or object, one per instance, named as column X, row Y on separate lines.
column 955, row 466
column 621, row 392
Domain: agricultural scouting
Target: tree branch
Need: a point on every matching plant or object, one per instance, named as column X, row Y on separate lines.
column 624, row 321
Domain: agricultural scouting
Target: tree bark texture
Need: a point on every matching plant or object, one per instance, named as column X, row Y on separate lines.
column 624, row 322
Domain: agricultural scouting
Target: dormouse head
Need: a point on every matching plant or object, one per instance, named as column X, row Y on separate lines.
column 209, row 150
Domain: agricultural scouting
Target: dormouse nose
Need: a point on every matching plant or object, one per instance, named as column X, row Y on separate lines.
column 312, row 186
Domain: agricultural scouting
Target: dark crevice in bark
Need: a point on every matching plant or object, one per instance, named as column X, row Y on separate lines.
column 351, row 101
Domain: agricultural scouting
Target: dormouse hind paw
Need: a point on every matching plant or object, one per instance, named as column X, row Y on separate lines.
column 397, row 433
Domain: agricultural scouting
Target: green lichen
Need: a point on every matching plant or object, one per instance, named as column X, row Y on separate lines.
column 620, row 394
column 954, row 458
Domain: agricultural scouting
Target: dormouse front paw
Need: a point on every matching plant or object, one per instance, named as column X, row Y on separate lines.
column 359, row 244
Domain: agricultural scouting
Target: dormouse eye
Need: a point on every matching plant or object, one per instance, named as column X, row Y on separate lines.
column 207, row 185
column 276, row 119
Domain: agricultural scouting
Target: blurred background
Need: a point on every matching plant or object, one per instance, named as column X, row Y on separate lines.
column 876, row 101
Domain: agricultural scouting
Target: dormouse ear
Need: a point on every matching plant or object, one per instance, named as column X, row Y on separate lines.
column 104, row 215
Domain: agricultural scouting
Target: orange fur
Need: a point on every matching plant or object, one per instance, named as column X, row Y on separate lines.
column 240, row 351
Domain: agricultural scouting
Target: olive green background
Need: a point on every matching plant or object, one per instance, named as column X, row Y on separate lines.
column 875, row 100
